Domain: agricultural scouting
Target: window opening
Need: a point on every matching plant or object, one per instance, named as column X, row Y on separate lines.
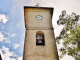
column 40, row 38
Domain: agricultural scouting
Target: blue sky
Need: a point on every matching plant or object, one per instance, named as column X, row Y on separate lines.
column 12, row 27
column 12, row 30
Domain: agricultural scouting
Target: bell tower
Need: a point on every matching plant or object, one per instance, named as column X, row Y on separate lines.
column 39, row 36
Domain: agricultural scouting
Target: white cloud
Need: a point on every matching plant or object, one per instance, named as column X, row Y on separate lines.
column 6, row 54
column 19, row 58
column 66, row 57
column 8, row 38
column 57, row 30
column 16, row 45
column 13, row 35
column 3, row 18
column 7, row 41
column 2, row 37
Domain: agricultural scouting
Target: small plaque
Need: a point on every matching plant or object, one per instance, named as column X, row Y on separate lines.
column 39, row 17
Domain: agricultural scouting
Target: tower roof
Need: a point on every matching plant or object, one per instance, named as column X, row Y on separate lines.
column 38, row 7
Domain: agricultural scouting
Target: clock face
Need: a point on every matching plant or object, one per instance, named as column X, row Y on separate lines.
column 39, row 17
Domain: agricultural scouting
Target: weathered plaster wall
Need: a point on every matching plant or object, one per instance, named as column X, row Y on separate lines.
column 31, row 50
column 46, row 52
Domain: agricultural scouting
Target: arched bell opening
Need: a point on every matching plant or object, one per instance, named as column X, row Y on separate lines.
column 40, row 38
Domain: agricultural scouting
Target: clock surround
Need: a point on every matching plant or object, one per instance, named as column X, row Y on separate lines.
column 39, row 17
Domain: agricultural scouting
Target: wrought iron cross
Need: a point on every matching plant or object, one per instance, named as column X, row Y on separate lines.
column 37, row 5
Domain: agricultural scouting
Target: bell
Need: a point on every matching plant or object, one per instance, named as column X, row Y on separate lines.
column 40, row 41
column 39, row 37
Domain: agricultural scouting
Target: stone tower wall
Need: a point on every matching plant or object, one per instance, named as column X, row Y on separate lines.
column 46, row 52
column 38, row 52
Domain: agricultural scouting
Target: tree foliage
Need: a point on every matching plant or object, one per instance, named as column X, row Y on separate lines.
column 70, row 35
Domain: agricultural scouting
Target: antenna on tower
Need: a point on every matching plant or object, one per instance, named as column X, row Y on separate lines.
column 37, row 5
